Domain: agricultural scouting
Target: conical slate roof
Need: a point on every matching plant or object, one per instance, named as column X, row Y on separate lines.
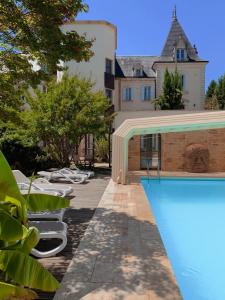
column 175, row 35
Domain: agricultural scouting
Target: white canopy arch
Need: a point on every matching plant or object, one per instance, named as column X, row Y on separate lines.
column 160, row 124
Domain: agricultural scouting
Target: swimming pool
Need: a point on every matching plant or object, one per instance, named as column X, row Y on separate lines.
column 190, row 215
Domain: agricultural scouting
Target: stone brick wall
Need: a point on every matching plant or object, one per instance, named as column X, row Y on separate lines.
column 175, row 144
column 134, row 154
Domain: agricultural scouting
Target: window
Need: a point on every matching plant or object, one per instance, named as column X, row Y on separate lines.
column 108, row 66
column 181, row 54
column 184, row 82
column 138, row 73
column 127, row 94
column 108, row 94
column 146, row 93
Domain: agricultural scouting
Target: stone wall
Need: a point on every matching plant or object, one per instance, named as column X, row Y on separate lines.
column 134, row 154
column 174, row 146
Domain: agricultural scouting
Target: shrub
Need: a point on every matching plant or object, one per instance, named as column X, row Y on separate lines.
column 25, row 157
column 102, row 150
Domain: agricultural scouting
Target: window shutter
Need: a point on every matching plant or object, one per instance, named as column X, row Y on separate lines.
column 132, row 90
column 185, row 83
column 142, row 93
column 124, row 93
column 150, row 93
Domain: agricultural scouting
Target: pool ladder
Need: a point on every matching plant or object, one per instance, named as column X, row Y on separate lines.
column 148, row 170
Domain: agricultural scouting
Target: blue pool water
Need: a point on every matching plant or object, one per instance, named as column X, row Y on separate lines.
column 190, row 215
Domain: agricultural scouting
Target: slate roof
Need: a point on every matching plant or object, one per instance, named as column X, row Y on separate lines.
column 175, row 34
column 125, row 65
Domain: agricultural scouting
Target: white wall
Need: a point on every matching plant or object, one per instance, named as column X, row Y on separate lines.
column 194, row 91
column 137, row 103
column 103, row 47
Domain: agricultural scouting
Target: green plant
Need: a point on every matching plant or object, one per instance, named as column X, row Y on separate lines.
column 27, row 157
column 220, row 92
column 19, row 272
column 172, row 92
column 68, row 111
column 211, row 91
column 31, row 34
column 102, row 149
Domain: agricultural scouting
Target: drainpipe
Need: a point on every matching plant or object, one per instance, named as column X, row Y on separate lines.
column 119, row 95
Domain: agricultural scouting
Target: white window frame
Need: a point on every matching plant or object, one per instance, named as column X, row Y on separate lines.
column 181, row 54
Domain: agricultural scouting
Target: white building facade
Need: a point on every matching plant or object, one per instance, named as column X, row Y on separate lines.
column 132, row 83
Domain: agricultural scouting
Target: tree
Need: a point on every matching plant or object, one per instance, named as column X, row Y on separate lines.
column 172, row 92
column 19, row 272
column 211, row 91
column 211, row 101
column 220, row 92
column 62, row 116
column 31, row 31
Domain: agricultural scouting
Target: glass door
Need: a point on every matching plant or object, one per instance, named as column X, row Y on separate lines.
column 150, row 151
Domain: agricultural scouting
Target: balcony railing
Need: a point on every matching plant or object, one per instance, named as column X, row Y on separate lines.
column 109, row 81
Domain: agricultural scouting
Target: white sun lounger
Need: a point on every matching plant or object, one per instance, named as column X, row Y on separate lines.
column 50, row 230
column 41, row 184
column 58, row 176
column 69, row 171
column 46, row 215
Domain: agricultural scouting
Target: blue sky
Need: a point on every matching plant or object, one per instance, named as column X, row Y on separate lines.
column 143, row 26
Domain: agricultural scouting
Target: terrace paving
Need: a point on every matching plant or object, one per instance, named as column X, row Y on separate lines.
column 121, row 255
column 85, row 199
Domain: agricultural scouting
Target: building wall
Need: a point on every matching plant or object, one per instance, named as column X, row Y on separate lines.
column 174, row 145
column 194, row 89
column 137, row 103
column 134, row 152
column 94, row 69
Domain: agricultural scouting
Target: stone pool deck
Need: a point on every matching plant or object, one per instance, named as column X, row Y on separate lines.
column 121, row 255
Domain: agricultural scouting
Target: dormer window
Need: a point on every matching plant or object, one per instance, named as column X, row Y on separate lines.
column 181, row 54
column 138, row 72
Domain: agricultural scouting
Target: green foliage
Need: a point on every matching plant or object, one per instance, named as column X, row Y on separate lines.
column 63, row 115
column 20, row 271
column 23, row 153
column 211, row 103
column 32, row 28
column 172, row 92
column 33, row 272
column 102, row 149
column 220, row 92
column 30, row 31
column 211, row 91
column 39, row 202
column 10, row 228
column 10, row 292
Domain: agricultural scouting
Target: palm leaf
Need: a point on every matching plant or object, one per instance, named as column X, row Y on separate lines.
column 9, row 190
column 10, row 292
column 30, row 241
column 25, row 270
column 10, row 229
column 43, row 202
